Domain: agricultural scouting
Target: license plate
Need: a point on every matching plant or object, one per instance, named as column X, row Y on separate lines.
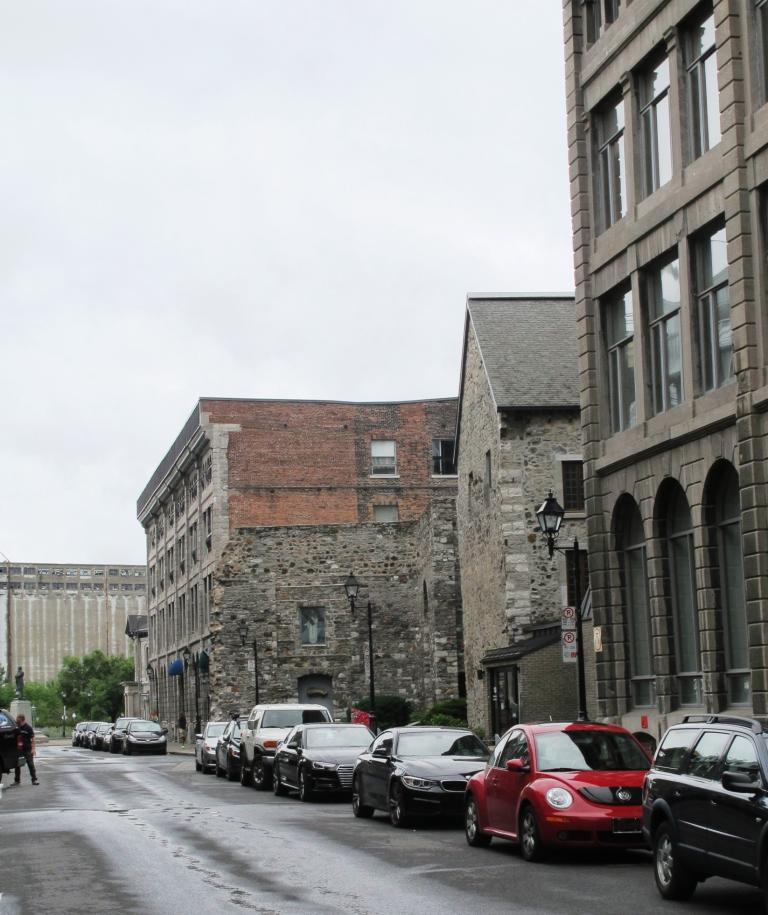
column 627, row 826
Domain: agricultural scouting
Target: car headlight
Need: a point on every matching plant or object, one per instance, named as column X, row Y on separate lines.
column 131, row 738
column 162, row 737
column 411, row 782
column 324, row 765
column 559, row 798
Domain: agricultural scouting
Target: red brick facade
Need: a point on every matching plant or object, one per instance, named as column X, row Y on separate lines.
column 300, row 462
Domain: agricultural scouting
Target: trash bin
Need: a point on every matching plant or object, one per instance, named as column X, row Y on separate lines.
column 9, row 753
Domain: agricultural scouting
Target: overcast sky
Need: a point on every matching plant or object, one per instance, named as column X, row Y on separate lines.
column 250, row 199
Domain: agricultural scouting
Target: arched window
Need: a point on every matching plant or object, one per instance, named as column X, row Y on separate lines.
column 683, row 591
column 728, row 522
column 631, row 544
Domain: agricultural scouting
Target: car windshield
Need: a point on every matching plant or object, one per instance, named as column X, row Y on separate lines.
column 145, row 727
column 338, row 737
column 215, row 730
column 289, row 717
column 587, row 750
column 122, row 722
column 439, row 743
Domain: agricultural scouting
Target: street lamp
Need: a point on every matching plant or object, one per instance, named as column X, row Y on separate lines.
column 352, row 589
column 151, row 678
column 185, row 654
column 242, row 630
column 550, row 517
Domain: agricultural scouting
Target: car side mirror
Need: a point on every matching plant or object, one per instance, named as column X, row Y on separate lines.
column 381, row 753
column 740, row 782
column 165, row 730
column 198, row 736
column 516, row 765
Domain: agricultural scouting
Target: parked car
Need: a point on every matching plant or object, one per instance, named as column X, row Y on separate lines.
column 88, row 731
column 100, row 738
column 559, row 785
column 416, row 771
column 266, row 726
column 319, row 759
column 704, row 804
column 117, row 734
column 144, row 737
column 77, row 733
column 228, row 750
column 205, row 745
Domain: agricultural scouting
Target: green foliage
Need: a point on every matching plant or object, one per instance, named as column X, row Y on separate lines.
column 449, row 713
column 391, row 711
column 93, row 686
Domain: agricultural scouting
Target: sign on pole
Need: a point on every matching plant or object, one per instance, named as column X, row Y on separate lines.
column 570, row 646
column 568, row 619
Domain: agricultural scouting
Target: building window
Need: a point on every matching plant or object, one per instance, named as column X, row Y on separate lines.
column 443, row 460
column 599, row 15
column 385, row 513
column 312, row 625
column 703, row 98
column 710, row 258
column 663, row 293
column 573, row 486
column 208, row 527
column 728, row 520
column 683, row 591
column 637, row 609
column 383, row 459
column 487, row 481
column 611, row 189
column 619, row 324
column 207, row 470
column 761, row 37
column 655, row 133
column 570, row 576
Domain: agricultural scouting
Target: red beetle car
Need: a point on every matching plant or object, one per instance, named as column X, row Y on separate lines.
column 559, row 785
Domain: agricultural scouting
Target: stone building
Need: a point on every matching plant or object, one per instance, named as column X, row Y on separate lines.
column 136, row 702
column 240, row 466
column 668, row 142
column 518, row 436
column 51, row 610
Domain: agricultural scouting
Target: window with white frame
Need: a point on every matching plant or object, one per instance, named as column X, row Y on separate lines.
column 383, row 458
column 702, row 91
column 662, row 286
column 619, row 323
column 611, row 190
column 713, row 308
column 655, row 133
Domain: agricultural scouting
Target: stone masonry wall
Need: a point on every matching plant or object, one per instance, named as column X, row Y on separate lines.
column 267, row 574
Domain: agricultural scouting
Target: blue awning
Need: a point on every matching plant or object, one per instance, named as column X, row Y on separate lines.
column 176, row 668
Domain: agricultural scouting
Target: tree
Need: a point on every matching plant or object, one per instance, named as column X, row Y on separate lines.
column 93, row 685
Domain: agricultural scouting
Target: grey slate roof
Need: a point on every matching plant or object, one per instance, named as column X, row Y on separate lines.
column 515, row 335
column 136, row 625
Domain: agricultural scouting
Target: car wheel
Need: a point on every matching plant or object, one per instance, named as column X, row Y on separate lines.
column 673, row 879
column 245, row 775
column 260, row 777
column 231, row 777
column 363, row 811
column 278, row 788
column 198, row 766
column 530, row 844
column 305, row 792
column 397, row 812
column 475, row 835
column 218, row 770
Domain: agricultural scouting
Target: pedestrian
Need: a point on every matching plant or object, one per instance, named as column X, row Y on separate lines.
column 25, row 744
column 181, row 729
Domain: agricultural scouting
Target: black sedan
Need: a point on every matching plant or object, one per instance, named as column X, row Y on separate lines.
column 228, row 750
column 144, row 737
column 318, row 758
column 416, row 771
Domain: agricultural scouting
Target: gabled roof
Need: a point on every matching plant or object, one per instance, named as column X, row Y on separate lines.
column 136, row 626
column 519, row 335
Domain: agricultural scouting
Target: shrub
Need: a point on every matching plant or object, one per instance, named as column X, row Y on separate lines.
column 391, row 711
column 448, row 713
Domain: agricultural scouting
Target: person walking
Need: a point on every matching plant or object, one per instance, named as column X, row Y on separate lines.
column 25, row 743
column 181, row 729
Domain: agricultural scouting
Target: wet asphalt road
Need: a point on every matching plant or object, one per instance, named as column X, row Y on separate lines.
column 109, row 834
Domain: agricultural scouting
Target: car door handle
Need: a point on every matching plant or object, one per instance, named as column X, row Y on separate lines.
column 712, row 803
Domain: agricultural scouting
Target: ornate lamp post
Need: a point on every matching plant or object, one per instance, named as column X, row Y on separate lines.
column 352, row 589
column 550, row 517
column 186, row 655
column 151, row 678
column 243, row 632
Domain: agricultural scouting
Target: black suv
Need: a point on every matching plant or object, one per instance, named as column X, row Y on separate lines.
column 705, row 804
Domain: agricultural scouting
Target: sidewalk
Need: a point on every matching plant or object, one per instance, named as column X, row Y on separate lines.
column 178, row 750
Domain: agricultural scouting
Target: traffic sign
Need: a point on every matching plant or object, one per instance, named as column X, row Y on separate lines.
column 570, row 646
column 568, row 619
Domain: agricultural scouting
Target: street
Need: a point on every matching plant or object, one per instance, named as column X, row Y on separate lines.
column 150, row 835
